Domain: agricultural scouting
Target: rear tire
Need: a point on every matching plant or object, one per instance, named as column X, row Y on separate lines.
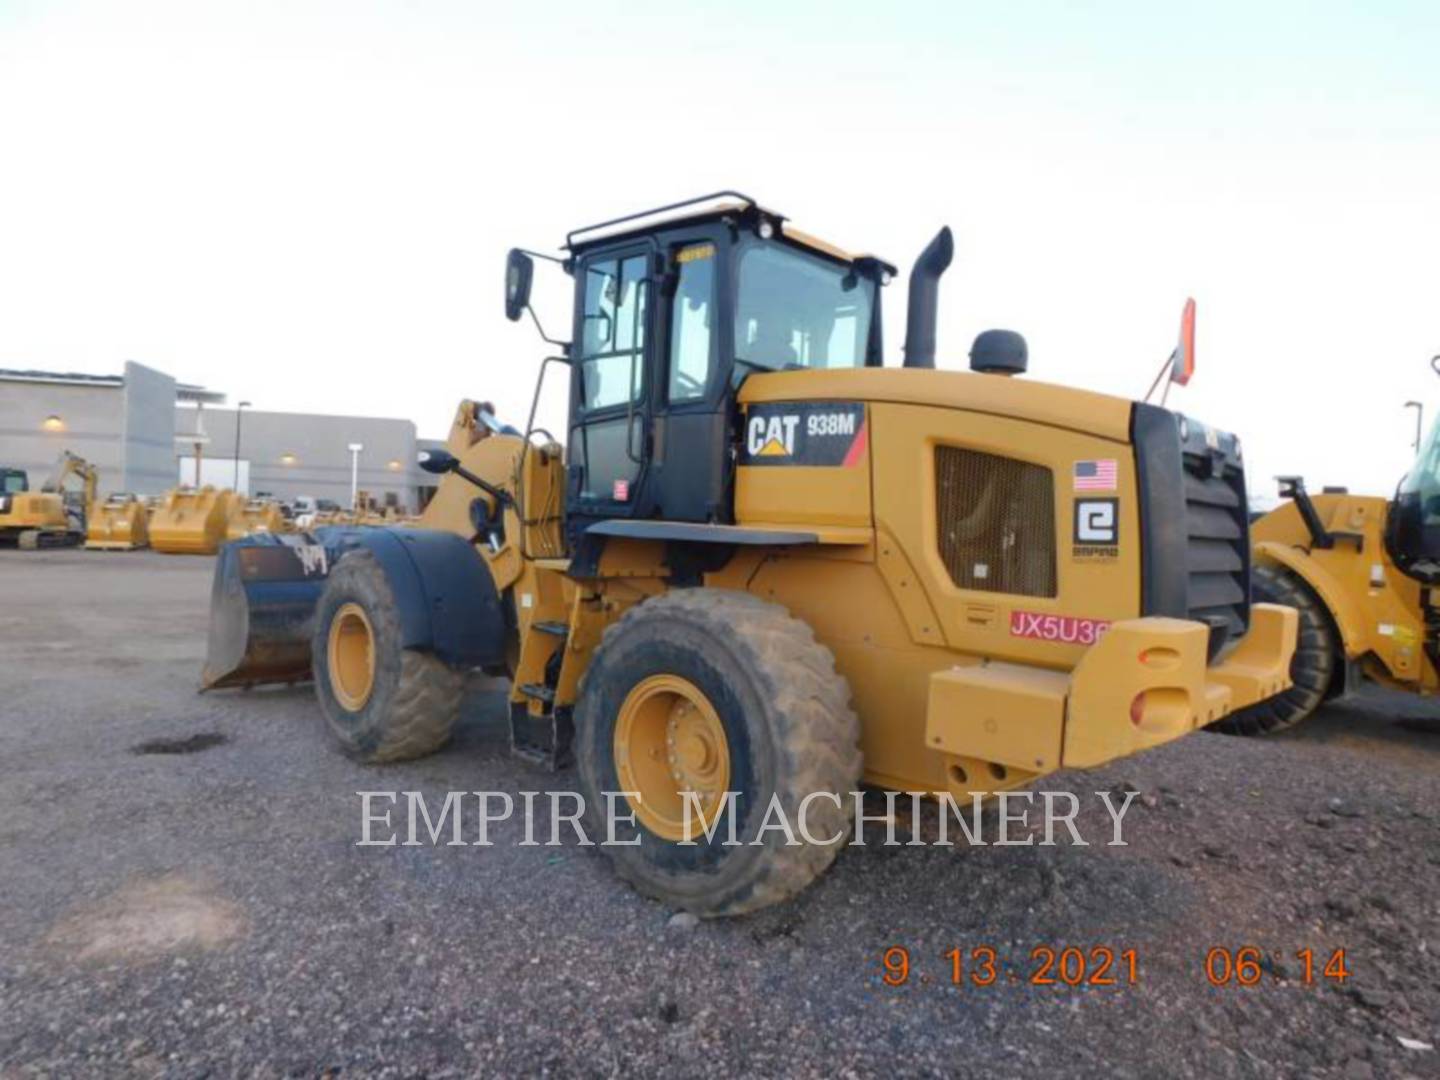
column 788, row 732
column 382, row 702
column 1317, row 657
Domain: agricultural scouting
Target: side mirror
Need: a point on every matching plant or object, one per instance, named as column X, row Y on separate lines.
column 1182, row 360
column 438, row 462
column 519, row 270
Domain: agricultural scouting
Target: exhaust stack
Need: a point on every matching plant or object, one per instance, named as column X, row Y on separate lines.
column 923, row 308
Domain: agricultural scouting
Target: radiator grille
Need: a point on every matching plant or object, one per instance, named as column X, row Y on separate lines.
column 1217, row 552
column 996, row 522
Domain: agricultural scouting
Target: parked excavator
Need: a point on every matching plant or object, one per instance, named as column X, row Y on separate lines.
column 54, row 516
column 766, row 568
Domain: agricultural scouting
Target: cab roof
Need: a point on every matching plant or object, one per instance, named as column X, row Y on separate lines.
column 711, row 207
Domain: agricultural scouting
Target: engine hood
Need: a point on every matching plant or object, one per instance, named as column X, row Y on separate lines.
column 998, row 395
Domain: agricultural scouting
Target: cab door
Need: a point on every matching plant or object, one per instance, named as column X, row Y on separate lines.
column 610, row 391
column 692, row 468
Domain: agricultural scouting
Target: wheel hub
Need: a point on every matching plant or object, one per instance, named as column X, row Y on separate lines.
column 669, row 740
column 350, row 652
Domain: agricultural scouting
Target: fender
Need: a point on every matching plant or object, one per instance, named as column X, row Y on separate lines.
column 1345, row 612
column 447, row 600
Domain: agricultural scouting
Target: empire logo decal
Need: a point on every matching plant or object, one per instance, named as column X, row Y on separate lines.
column 825, row 435
column 1097, row 529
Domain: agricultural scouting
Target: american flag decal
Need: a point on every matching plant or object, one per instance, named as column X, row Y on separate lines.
column 1095, row 475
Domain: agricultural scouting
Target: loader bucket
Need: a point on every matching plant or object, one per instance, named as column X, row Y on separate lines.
column 262, row 606
column 254, row 516
column 191, row 522
column 120, row 523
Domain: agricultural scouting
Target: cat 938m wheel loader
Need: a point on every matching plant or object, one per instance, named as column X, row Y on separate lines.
column 765, row 568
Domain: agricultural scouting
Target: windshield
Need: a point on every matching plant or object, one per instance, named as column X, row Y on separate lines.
column 1423, row 479
column 794, row 310
column 1412, row 526
column 12, row 483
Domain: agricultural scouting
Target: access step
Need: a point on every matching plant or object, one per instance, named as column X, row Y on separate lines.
column 538, row 691
column 544, row 740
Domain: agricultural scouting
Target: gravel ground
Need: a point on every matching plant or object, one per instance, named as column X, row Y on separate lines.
column 206, row 912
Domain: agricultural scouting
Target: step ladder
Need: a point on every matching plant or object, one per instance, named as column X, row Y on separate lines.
column 543, row 735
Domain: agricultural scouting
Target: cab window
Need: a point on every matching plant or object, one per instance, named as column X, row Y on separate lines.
column 796, row 310
column 1423, row 479
column 612, row 362
column 692, row 315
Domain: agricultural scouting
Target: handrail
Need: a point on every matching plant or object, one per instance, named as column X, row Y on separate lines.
column 751, row 203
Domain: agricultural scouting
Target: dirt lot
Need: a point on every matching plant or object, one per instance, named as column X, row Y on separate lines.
column 207, row 911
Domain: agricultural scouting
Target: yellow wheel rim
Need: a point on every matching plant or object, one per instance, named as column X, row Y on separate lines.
column 669, row 740
column 350, row 650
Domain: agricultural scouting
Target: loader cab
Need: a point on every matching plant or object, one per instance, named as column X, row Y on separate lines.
column 668, row 321
column 1412, row 526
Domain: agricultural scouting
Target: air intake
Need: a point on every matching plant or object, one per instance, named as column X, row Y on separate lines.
column 996, row 522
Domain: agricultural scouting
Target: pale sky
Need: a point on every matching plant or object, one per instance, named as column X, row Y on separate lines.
column 307, row 205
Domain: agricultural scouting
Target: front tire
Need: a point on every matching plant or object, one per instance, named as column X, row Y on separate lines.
column 713, row 690
column 1317, row 658
column 381, row 701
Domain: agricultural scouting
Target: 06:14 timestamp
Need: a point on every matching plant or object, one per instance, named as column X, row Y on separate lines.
column 1246, row 966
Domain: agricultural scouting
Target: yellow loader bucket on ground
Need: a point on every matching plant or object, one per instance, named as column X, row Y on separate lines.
column 254, row 516
column 191, row 522
column 120, row 523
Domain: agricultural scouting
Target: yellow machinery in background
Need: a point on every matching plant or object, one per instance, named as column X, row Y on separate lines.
column 31, row 519
column 1363, row 573
column 120, row 522
column 53, row 516
column 192, row 521
column 766, row 568
column 251, row 516
column 369, row 511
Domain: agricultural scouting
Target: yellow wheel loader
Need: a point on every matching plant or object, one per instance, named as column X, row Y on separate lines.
column 765, row 569
column 1362, row 572
column 53, row 516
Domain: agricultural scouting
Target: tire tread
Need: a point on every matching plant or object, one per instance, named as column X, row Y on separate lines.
column 817, row 738
column 420, row 714
column 1317, row 654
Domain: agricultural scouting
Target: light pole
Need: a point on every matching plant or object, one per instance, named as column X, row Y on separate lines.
column 1419, row 417
column 355, row 449
column 242, row 405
